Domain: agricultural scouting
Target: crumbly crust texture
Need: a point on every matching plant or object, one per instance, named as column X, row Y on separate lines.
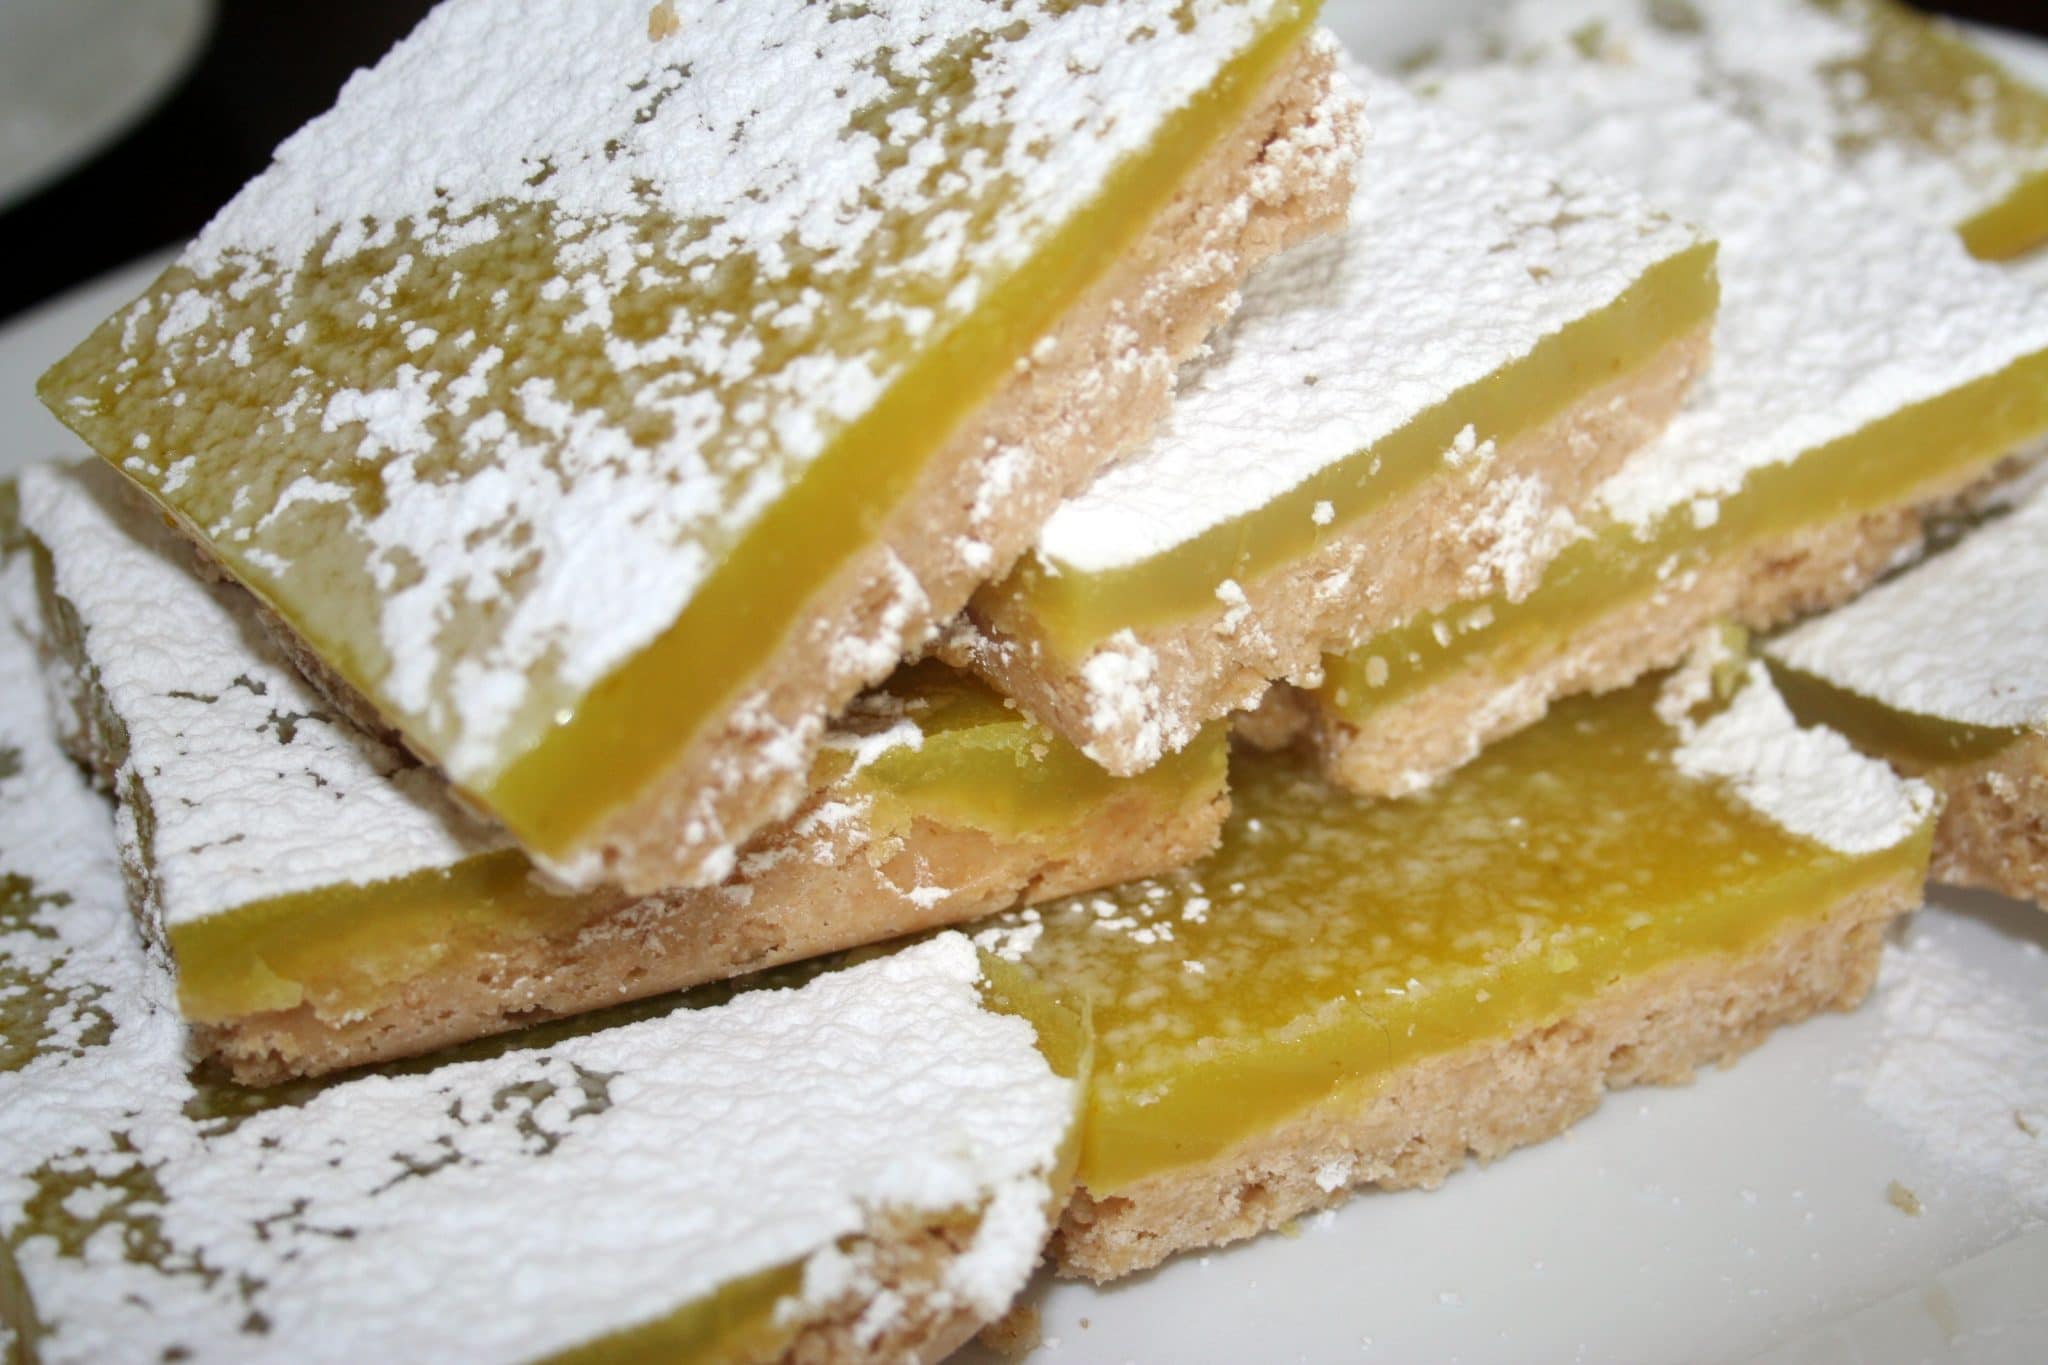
column 1463, row 252
column 234, row 788
column 821, row 882
column 1487, row 528
column 1994, row 822
column 1406, row 744
column 1836, row 313
column 1484, row 1100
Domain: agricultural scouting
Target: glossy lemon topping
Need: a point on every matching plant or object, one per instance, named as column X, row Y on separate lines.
column 965, row 761
column 1333, row 940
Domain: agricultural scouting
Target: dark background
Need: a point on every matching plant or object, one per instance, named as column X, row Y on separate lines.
column 269, row 66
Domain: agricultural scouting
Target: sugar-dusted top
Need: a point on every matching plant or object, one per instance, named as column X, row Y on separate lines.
column 1462, row 255
column 1836, row 311
column 1963, row 637
column 503, row 356
column 254, row 787
column 502, row 1209
column 1865, row 83
column 1809, row 781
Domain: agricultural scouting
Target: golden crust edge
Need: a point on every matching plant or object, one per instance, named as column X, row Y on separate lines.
column 1489, row 1098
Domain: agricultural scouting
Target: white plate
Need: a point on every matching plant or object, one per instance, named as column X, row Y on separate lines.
column 1745, row 1214
column 76, row 73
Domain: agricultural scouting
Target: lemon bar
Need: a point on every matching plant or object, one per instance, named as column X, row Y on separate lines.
column 1401, row 417
column 1354, row 992
column 1903, row 103
column 327, row 905
column 1943, row 672
column 1866, row 370
column 600, row 399
column 863, row 1169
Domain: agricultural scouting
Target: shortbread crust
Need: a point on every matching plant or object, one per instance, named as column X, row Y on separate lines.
column 479, row 632
column 254, row 822
column 1401, row 417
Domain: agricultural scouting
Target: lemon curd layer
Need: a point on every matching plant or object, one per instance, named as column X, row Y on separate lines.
column 611, row 304
column 1932, row 446
column 351, row 948
column 1333, row 940
column 1915, row 112
column 1479, row 290
column 1862, row 362
column 287, row 858
column 1911, row 742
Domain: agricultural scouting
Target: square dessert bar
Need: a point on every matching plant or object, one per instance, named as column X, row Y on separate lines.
column 599, row 401
column 1943, row 672
column 1904, row 104
column 1400, row 418
column 1866, row 371
column 862, row 1169
column 327, row 905
column 1353, row 992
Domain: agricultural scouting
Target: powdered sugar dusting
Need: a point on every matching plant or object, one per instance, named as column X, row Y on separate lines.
column 486, row 1210
column 1963, row 637
column 249, row 786
column 1957, row 1066
column 1462, row 256
column 1808, row 781
column 503, row 357
column 1836, row 311
column 1817, row 83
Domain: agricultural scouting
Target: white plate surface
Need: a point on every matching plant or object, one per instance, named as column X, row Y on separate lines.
column 74, row 74
column 1746, row 1215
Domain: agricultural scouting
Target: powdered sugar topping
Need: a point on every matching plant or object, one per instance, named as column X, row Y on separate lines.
column 1827, row 79
column 1462, row 255
column 1963, row 637
column 1836, row 311
column 1808, row 781
column 249, row 786
column 504, row 356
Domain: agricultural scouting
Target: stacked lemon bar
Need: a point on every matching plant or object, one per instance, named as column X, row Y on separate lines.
column 327, row 904
column 1867, row 373
column 608, row 1196
column 507, row 591
column 1402, row 420
column 606, row 425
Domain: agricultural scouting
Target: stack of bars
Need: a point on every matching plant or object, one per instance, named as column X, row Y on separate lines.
column 1272, row 550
